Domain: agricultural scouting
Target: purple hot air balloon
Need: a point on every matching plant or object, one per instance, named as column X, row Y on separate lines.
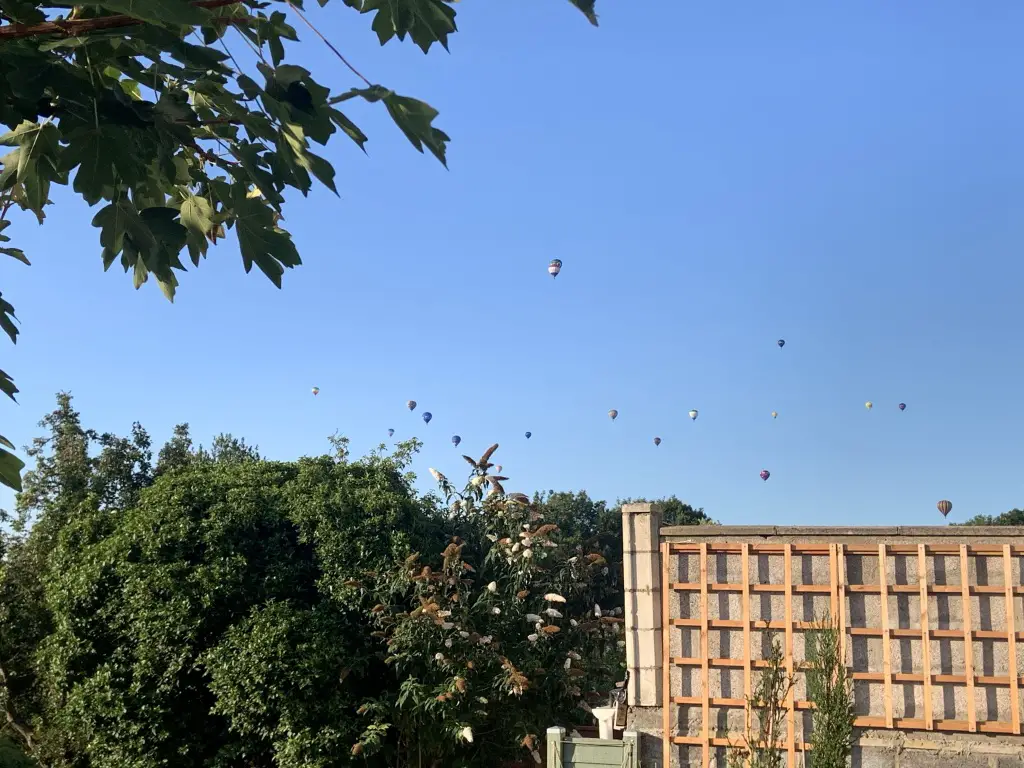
column 903, row 406
column 765, row 474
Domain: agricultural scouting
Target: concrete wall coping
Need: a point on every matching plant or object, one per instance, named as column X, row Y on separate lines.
column 832, row 532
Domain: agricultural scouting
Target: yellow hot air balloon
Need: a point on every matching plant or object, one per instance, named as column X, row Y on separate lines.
column 775, row 414
column 868, row 405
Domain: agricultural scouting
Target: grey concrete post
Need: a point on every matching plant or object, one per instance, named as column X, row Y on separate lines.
column 641, row 564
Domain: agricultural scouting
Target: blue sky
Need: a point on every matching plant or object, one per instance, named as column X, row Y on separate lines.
column 846, row 176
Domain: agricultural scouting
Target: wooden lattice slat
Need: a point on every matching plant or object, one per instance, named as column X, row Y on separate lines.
column 883, row 609
column 705, row 676
column 1011, row 637
column 667, row 718
column 965, row 610
column 926, row 653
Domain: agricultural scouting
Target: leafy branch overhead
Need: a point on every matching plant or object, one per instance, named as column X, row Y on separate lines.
column 143, row 108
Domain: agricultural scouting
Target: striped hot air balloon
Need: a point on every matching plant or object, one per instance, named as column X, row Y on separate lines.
column 944, row 507
column 316, row 391
column 555, row 267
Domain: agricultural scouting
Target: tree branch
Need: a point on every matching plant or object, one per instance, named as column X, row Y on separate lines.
column 22, row 730
column 80, row 27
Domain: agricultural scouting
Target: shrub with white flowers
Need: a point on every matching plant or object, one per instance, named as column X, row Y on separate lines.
column 494, row 639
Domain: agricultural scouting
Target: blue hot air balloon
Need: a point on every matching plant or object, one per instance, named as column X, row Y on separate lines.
column 781, row 342
column 903, row 406
column 456, row 440
column 391, row 433
column 529, row 435
column 427, row 416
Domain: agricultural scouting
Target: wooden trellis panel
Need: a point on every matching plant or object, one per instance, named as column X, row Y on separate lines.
column 839, row 591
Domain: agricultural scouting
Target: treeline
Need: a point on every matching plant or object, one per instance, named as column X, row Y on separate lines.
column 1013, row 517
column 212, row 608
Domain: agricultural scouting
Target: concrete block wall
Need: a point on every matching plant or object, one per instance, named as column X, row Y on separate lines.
column 877, row 748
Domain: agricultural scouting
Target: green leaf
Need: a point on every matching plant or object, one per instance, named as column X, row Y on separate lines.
column 149, row 241
column 7, row 319
column 16, row 253
column 180, row 12
column 8, row 388
column 196, row 215
column 10, row 468
column 349, row 128
column 6, row 442
column 425, row 21
column 587, row 8
column 34, row 163
column 111, row 225
column 415, row 118
column 93, row 152
column 262, row 243
column 21, row 12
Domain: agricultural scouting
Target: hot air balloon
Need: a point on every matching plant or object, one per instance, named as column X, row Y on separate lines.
column 391, row 433
column 693, row 414
column 456, row 440
column 903, row 406
column 498, row 469
column 555, row 267
column 411, row 405
column 781, row 342
column 613, row 414
column 529, row 435
column 775, row 414
column 427, row 416
column 765, row 474
column 944, row 507
column 657, row 441
column 868, row 405
column 316, row 391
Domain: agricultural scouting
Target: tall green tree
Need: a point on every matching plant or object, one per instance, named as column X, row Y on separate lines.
column 144, row 108
column 76, row 469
